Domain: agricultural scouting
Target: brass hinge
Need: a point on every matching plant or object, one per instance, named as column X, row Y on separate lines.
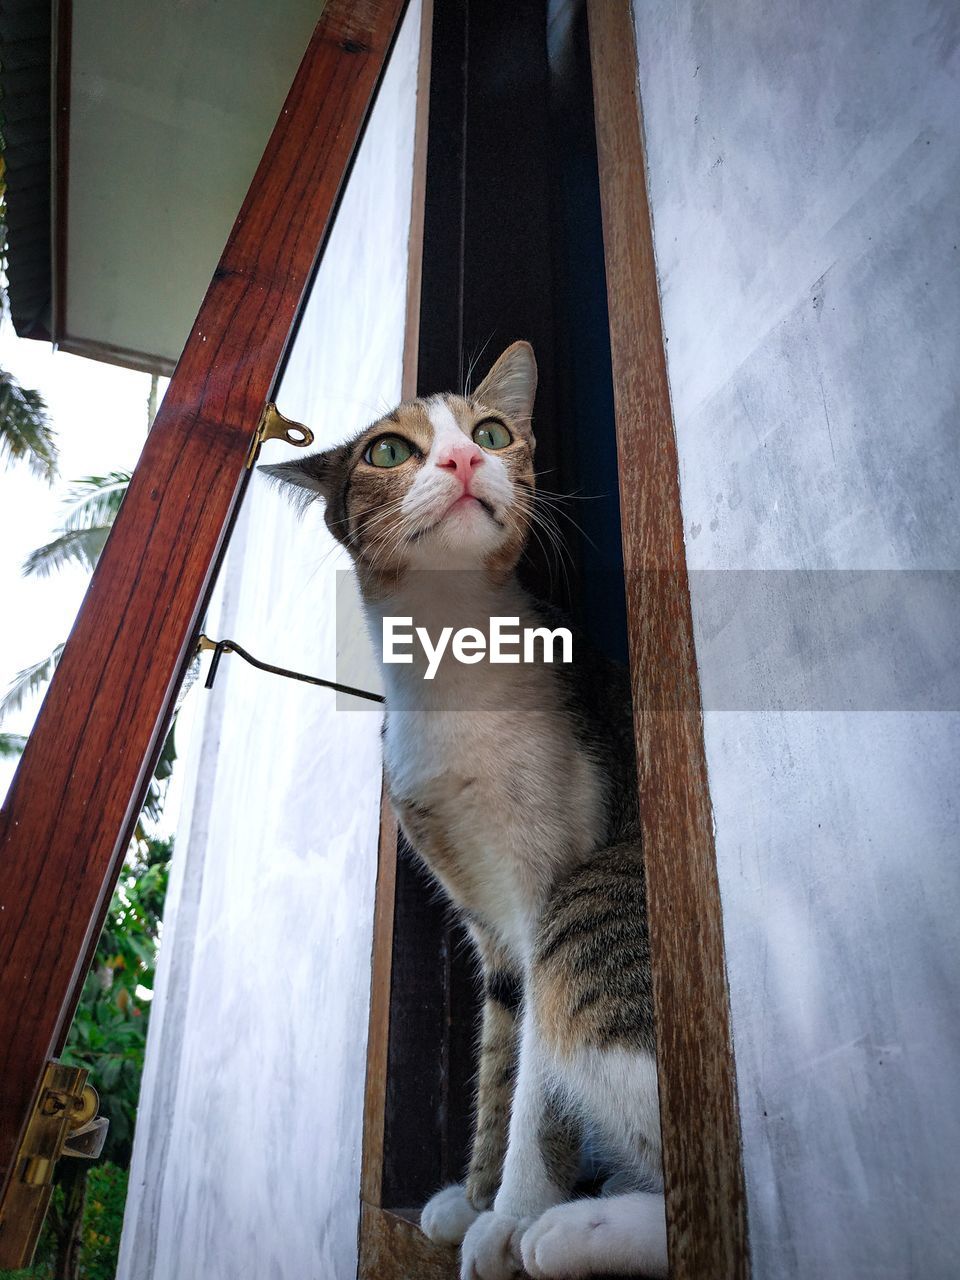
column 274, row 426
column 64, row 1123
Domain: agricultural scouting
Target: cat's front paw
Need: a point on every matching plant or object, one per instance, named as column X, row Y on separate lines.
column 446, row 1217
column 491, row 1248
column 625, row 1235
column 553, row 1248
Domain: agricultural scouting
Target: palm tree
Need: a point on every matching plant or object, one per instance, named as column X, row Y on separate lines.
column 25, row 684
column 92, row 506
column 25, row 431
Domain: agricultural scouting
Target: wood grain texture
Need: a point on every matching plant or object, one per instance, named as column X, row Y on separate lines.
column 79, row 786
column 411, row 343
column 706, row 1210
column 394, row 1248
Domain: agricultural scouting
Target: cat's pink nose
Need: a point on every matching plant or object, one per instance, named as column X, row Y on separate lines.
column 460, row 457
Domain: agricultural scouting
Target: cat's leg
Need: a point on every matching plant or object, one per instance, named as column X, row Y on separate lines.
column 591, row 998
column 503, row 998
column 615, row 1235
column 447, row 1215
column 616, row 1087
column 539, row 1170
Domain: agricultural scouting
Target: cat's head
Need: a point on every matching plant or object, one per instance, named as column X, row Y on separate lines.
column 438, row 483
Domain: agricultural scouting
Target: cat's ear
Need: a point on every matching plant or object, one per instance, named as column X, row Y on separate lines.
column 511, row 385
column 305, row 479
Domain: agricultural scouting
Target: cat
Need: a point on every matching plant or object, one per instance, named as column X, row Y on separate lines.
column 516, row 784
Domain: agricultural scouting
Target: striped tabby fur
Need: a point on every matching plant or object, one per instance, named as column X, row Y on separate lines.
column 517, row 786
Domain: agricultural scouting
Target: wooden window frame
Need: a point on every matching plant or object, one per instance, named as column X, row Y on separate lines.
column 74, row 800
column 699, row 1115
column 703, row 1167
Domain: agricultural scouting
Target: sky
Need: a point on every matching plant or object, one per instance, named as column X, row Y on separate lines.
column 99, row 413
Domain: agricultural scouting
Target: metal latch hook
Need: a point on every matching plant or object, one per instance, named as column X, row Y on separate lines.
column 274, row 426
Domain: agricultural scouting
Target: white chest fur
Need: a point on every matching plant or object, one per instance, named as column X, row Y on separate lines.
column 505, row 781
column 488, row 753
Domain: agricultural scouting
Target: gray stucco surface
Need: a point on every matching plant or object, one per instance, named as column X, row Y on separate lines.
column 804, row 170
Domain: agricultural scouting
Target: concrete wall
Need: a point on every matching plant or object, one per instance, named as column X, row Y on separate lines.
column 247, row 1155
column 804, row 168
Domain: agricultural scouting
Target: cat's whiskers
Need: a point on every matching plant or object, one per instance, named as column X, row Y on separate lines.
column 549, row 556
column 572, row 497
column 322, row 561
column 383, row 513
column 385, row 508
column 526, row 528
column 551, row 505
column 539, row 519
column 394, row 538
column 556, row 509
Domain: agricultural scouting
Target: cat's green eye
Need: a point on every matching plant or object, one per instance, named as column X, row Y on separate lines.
column 492, row 434
column 388, row 451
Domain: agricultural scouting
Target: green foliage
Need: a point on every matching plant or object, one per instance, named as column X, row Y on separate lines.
column 25, row 431
column 109, row 1031
column 153, row 803
column 102, row 1220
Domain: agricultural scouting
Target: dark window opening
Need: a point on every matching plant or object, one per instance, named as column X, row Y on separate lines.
column 511, row 146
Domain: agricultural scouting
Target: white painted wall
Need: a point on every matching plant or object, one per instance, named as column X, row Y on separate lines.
column 804, row 168
column 247, row 1155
